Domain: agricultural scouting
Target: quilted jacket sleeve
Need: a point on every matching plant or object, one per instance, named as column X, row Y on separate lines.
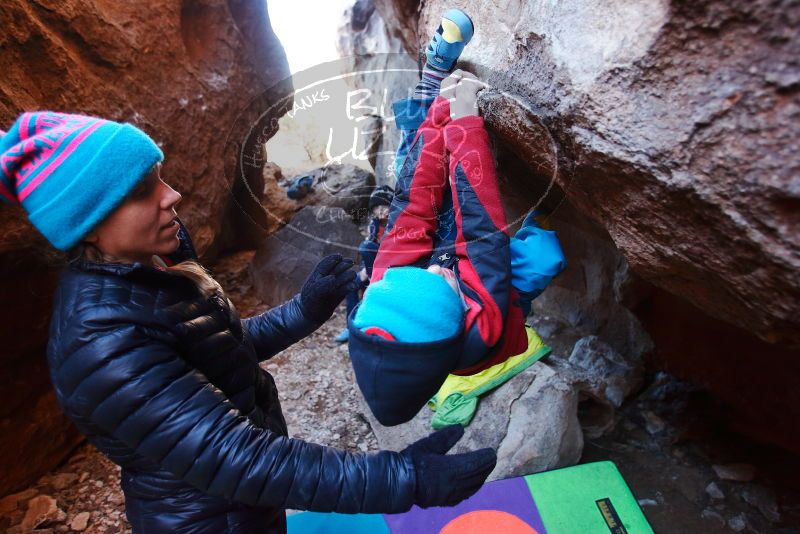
column 278, row 328
column 139, row 390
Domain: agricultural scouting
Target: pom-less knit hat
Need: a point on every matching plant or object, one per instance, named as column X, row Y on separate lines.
column 69, row 172
column 412, row 305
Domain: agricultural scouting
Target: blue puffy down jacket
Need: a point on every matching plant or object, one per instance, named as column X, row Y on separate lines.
column 168, row 385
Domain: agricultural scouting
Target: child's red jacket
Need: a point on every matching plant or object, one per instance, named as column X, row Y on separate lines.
column 456, row 152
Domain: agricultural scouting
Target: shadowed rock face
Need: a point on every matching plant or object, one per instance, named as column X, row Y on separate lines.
column 286, row 258
column 183, row 71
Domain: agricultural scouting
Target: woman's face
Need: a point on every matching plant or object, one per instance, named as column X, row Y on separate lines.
column 143, row 225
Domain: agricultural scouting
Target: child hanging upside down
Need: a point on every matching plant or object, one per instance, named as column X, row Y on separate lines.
column 443, row 302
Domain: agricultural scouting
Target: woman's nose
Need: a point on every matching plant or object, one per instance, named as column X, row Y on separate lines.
column 171, row 199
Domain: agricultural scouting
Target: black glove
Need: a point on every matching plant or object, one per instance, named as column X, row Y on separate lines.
column 446, row 480
column 326, row 286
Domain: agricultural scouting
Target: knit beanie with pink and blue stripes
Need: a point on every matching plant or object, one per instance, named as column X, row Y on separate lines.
column 69, row 172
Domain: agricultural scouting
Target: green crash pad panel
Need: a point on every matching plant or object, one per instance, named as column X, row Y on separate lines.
column 583, row 499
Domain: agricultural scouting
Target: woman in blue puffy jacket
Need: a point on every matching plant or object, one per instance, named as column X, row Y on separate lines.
column 153, row 364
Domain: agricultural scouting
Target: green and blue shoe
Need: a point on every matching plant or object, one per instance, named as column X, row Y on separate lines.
column 449, row 40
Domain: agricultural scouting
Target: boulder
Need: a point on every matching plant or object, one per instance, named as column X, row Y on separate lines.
column 285, row 259
column 606, row 378
column 531, row 421
column 543, row 429
column 341, row 185
column 279, row 208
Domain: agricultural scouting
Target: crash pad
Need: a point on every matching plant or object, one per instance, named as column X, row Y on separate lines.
column 589, row 498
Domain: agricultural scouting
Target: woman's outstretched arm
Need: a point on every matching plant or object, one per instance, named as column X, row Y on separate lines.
column 141, row 392
column 278, row 328
column 323, row 290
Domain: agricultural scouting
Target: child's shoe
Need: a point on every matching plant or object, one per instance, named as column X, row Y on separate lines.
column 300, row 187
column 449, row 40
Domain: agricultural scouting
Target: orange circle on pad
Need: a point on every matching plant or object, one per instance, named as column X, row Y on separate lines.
column 485, row 521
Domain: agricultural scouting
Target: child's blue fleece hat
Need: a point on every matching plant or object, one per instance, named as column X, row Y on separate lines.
column 69, row 172
column 412, row 304
column 425, row 317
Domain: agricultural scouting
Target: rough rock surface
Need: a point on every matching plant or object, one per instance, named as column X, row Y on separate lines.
column 284, row 260
column 342, row 186
column 549, row 404
column 605, row 377
column 279, row 207
column 184, row 71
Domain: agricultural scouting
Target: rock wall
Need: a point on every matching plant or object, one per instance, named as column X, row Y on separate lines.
column 325, row 221
column 678, row 124
column 185, row 72
column 377, row 60
column 670, row 129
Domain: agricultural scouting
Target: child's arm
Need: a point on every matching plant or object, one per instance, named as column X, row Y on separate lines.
column 482, row 245
column 373, row 230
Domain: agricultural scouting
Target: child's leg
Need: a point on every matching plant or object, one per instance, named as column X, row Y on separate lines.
column 351, row 299
column 409, row 116
column 494, row 328
column 444, row 242
column 419, row 162
column 418, row 196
